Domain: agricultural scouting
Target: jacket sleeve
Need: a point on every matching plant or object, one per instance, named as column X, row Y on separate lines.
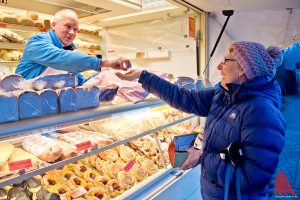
column 196, row 102
column 262, row 140
column 40, row 50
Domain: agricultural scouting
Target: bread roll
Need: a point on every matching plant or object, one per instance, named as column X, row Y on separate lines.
column 32, row 15
column 26, row 21
column 6, row 150
column 38, row 24
column 10, row 19
column 47, row 24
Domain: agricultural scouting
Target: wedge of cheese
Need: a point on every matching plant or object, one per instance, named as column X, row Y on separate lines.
column 6, row 150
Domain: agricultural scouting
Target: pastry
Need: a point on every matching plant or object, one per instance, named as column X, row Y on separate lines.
column 89, row 186
column 3, row 194
column 149, row 166
column 140, row 159
column 44, row 148
column 127, row 179
column 6, row 150
column 138, row 172
column 103, row 180
column 158, row 160
column 92, row 160
column 126, row 153
column 32, row 15
column 60, row 189
column 49, row 180
column 90, row 176
column 33, row 185
column 26, row 21
column 99, row 164
column 66, row 174
column 77, row 181
column 115, row 187
column 99, row 193
column 68, row 150
column 109, row 155
column 80, row 169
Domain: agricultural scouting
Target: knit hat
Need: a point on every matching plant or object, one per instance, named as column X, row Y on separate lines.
column 255, row 59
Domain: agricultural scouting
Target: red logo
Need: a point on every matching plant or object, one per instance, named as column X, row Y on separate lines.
column 283, row 187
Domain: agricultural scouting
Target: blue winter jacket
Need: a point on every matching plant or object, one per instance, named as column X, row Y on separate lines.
column 247, row 113
column 46, row 50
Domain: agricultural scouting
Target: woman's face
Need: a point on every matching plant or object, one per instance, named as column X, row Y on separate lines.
column 66, row 30
column 230, row 70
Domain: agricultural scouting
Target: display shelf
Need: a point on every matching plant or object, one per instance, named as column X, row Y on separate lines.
column 43, row 124
column 22, row 28
column 10, row 45
column 9, row 63
column 93, row 151
column 90, row 51
column 89, row 36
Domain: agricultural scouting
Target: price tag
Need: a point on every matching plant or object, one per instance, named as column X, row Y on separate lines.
column 42, row 30
column 2, row 25
column 20, row 164
column 84, row 145
column 129, row 165
column 78, row 192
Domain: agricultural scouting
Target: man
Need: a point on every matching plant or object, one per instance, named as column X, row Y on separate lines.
column 51, row 53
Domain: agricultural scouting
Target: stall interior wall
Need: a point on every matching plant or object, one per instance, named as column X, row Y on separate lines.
column 278, row 28
column 163, row 44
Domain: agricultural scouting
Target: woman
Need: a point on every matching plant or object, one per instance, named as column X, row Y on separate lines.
column 243, row 109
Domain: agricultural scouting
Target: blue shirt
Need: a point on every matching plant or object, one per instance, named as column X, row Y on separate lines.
column 46, row 50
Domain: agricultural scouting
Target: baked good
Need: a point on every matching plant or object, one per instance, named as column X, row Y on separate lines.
column 115, row 187
column 61, row 189
column 32, row 15
column 80, row 169
column 6, row 150
column 92, row 160
column 140, row 159
column 149, row 166
column 26, row 21
column 33, row 185
column 109, row 155
column 127, row 179
column 44, row 148
column 38, row 24
column 49, row 180
column 138, row 172
column 10, row 19
column 68, row 150
column 96, row 194
column 103, row 180
column 66, row 174
column 90, row 176
column 77, row 182
column 12, row 36
column 47, row 24
column 158, row 160
column 49, row 101
column 126, row 153
column 3, row 39
column 3, row 194
column 99, row 164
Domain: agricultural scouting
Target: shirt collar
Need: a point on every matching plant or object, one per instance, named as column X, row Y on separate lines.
column 57, row 42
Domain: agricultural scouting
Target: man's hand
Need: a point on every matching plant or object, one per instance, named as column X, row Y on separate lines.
column 193, row 159
column 130, row 75
column 120, row 63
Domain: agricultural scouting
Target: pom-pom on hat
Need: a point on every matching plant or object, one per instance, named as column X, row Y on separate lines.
column 255, row 59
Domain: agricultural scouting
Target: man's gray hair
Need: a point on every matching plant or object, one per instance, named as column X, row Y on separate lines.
column 64, row 13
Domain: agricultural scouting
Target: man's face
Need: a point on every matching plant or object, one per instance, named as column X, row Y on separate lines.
column 66, row 30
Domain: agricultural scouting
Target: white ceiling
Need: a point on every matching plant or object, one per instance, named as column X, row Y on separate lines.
column 217, row 5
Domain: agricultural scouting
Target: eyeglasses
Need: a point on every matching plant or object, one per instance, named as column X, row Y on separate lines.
column 227, row 59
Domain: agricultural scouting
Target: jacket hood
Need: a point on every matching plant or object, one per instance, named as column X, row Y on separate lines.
column 261, row 86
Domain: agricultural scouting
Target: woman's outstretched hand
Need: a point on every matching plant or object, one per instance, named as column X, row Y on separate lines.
column 130, row 75
column 193, row 159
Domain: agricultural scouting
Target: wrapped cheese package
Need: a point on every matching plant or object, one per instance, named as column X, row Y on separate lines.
column 67, row 100
column 49, row 101
column 30, row 105
column 9, row 111
column 87, row 97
